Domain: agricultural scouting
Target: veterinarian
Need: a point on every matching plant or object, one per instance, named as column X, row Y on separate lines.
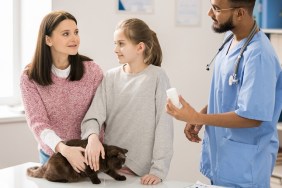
column 240, row 142
column 57, row 88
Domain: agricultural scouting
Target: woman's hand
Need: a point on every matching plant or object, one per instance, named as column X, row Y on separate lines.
column 150, row 179
column 92, row 152
column 73, row 155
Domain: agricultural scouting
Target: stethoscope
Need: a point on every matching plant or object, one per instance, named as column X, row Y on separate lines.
column 233, row 78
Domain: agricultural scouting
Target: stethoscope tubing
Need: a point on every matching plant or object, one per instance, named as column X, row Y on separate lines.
column 233, row 78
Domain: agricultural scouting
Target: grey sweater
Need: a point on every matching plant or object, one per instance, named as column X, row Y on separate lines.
column 133, row 108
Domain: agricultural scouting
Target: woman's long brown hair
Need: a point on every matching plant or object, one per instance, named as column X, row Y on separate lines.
column 39, row 69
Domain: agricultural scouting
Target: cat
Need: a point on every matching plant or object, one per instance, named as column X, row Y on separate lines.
column 58, row 169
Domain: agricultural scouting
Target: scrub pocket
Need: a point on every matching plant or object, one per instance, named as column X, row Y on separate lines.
column 236, row 162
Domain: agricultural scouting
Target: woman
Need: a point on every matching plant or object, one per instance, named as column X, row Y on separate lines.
column 57, row 88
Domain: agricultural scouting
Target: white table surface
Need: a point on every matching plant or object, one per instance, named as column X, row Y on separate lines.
column 15, row 177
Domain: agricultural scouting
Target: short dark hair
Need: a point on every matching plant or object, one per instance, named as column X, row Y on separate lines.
column 248, row 4
column 39, row 69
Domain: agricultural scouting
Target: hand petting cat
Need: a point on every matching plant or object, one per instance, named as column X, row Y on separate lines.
column 93, row 151
column 73, row 155
column 59, row 169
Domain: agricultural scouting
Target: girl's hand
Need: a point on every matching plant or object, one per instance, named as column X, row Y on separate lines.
column 92, row 152
column 150, row 179
column 73, row 155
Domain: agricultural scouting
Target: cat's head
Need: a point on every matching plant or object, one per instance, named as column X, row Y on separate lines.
column 115, row 157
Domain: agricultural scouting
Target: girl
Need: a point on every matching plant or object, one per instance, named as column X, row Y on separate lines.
column 131, row 102
column 57, row 88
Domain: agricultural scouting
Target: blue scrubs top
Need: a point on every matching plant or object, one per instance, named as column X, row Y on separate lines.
column 244, row 157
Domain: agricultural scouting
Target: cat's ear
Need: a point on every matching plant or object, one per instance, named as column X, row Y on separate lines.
column 121, row 155
column 112, row 152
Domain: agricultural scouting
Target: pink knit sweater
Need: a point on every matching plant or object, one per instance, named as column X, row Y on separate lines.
column 61, row 106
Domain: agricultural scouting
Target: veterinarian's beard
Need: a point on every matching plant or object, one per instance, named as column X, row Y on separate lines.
column 222, row 28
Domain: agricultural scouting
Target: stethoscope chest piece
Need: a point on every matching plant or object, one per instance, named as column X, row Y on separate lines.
column 232, row 80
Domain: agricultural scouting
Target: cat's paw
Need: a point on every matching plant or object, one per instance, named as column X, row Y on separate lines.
column 120, row 178
column 96, row 181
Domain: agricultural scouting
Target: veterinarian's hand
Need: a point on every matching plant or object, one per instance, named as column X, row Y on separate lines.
column 191, row 131
column 92, row 152
column 73, row 155
column 186, row 113
column 150, row 179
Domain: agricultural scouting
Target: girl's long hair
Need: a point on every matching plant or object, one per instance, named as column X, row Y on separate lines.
column 138, row 31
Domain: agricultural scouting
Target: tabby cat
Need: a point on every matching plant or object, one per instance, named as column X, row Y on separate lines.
column 58, row 169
